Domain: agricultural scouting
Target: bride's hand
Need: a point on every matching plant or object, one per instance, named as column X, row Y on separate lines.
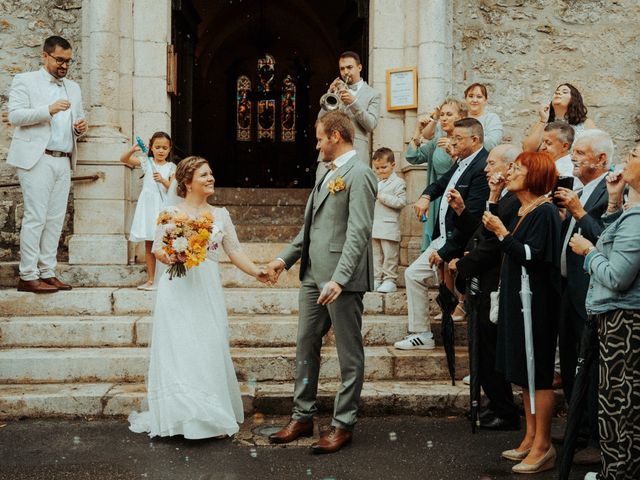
column 265, row 276
column 163, row 257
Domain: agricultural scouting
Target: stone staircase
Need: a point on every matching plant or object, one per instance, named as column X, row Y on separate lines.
column 84, row 352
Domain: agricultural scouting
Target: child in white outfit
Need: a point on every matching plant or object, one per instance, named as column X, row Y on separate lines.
column 392, row 196
column 158, row 173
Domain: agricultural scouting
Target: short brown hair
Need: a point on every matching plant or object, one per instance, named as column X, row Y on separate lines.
column 337, row 121
column 384, row 153
column 482, row 88
column 184, row 173
column 350, row 54
column 542, row 174
column 471, row 124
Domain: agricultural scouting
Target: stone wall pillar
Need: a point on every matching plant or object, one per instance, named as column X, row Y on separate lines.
column 100, row 208
column 429, row 43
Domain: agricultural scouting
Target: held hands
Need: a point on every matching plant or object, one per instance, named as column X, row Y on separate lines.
column 579, row 244
column 59, row 106
column 494, row 224
column 421, row 207
column 275, row 268
column 330, row 292
column 455, row 201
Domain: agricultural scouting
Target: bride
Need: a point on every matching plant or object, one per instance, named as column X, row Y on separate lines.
column 192, row 387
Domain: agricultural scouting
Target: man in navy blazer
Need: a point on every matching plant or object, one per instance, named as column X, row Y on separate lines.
column 467, row 176
column 591, row 156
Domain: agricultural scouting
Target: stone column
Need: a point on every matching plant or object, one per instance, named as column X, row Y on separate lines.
column 435, row 70
column 100, row 207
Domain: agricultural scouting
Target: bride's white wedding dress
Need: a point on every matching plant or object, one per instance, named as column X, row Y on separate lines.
column 192, row 387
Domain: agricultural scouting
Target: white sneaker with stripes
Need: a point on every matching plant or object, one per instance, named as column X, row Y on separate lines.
column 415, row 341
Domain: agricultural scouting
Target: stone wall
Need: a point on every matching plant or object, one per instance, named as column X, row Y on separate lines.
column 523, row 49
column 23, row 27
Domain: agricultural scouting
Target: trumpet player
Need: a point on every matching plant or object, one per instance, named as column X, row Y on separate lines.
column 358, row 100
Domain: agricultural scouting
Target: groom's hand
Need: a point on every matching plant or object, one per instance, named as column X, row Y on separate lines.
column 329, row 293
column 275, row 268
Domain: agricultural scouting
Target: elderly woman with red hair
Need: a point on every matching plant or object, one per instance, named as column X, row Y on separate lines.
column 530, row 240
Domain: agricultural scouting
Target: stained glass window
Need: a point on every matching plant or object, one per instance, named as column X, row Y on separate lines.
column 243, row 109
column 288, row 110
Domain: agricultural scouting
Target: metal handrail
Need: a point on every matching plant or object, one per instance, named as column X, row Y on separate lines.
column 82, row 178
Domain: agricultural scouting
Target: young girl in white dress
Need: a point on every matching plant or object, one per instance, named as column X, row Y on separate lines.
column 158, row 173
column 192, row 388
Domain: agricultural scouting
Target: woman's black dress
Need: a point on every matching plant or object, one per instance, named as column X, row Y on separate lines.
column 540, row 231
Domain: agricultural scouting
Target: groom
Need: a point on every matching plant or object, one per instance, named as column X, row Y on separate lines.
column 334, row 247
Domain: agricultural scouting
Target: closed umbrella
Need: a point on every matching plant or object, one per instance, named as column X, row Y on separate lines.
column 525, row 296
column 471, row 300
column 587, row 355
column 447, row 301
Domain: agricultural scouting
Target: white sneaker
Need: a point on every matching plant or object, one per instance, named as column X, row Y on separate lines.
column 591, row 476
column 415, row 341
column 467, row 380
column 388, row 286
column 376, row 284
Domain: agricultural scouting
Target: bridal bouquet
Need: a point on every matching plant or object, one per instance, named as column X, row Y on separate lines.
column 186, row 239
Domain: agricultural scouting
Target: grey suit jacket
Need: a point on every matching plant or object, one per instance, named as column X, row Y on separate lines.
column 392, row 196
column 336, row 237
column 29, row 114
column 364, row 114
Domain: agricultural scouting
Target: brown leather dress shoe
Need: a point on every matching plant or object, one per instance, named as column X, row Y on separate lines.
column 334, row 441
column 291, row 431
column 35, row 286
column 56, row 283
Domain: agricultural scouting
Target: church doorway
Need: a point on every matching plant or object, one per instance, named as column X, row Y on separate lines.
column 250, row 75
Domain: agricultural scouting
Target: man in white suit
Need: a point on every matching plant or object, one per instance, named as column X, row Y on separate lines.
column 359, row 101
column 46, row 110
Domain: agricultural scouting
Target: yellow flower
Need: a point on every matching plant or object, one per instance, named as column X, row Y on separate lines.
column 337, row 185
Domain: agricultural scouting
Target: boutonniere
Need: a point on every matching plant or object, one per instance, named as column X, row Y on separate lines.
column 337, row 185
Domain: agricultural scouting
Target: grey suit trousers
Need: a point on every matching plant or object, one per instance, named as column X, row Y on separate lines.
column 345, row 315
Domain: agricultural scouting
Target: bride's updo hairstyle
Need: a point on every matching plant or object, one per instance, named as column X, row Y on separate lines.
column 184, row 173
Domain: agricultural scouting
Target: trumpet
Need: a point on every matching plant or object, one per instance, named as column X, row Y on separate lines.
column 330, row 101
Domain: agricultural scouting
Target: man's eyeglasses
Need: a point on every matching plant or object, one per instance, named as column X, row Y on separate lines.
column 62, row 61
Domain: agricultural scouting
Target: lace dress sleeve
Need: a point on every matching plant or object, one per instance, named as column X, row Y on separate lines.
column 230, row 241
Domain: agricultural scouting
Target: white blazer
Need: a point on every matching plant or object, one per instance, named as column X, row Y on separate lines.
column 392, row 196
column 29, row 114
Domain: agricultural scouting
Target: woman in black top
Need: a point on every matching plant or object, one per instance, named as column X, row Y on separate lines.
column 532, row 240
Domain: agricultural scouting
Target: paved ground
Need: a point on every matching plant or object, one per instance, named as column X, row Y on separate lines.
column 384, row 448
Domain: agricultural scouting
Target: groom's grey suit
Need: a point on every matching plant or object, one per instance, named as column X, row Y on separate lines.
column 334, row 245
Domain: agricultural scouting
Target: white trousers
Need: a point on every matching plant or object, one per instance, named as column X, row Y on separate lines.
column 385, row 259
column 418, row 277
column 45, row 190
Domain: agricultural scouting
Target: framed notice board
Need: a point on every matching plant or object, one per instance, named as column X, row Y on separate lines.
column 402, row 88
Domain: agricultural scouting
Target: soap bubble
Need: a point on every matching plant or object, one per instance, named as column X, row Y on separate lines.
column 76, row 440
column 253, row 453
column 429, row 444
column 392, row 436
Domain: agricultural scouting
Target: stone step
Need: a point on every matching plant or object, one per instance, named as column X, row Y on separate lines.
column 266, row 214
column 127, row 301
column 260, row 196
column 129, row 364
column 267, row 233
column 109, row 399
column 135, row 330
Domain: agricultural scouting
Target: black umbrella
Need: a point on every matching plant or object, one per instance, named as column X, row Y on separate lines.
column 588, row 354
column 471, row 304
column 448, row 301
